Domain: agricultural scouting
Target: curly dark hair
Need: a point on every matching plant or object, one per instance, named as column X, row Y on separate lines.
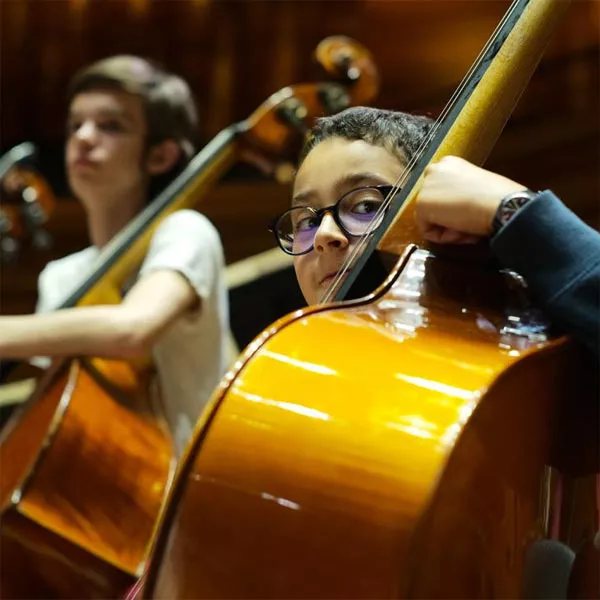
column 398, row 132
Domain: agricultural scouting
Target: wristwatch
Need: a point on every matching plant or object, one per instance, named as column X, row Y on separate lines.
column 509, row 205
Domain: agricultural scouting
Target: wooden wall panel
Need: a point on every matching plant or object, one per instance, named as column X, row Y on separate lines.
column 234, row 54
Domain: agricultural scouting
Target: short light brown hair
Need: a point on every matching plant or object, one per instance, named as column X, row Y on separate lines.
column 168, row 102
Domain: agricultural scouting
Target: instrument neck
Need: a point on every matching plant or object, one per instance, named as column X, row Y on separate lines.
column 473, row 119
column 488, row 98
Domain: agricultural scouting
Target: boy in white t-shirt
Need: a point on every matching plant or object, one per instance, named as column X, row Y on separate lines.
column 130, row 130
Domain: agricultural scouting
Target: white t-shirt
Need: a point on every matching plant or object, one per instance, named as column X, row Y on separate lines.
column 193, row 354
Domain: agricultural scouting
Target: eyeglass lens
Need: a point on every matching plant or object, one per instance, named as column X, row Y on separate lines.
column 356, row 212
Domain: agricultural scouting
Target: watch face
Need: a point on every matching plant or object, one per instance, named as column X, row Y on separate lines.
column 509, row 206
column 514, row 203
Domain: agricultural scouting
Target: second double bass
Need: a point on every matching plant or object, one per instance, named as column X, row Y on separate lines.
column 89, row 463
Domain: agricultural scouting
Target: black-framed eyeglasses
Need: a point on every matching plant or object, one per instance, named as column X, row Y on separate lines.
column 356, row 213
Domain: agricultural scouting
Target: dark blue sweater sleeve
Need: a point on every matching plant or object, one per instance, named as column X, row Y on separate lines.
column 559, row 257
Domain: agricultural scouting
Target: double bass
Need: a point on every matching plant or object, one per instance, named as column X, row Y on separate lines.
column 86, row 463
column 26, row 203
column 427, row 461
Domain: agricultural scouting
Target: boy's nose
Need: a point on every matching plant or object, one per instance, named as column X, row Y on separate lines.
column 86, row 132
column 329, row 235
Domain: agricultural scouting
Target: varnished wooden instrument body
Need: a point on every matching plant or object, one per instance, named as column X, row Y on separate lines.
column 26, row 202
column 409, row 462
column 83, row 478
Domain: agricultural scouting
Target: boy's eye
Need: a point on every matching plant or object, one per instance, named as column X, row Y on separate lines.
column 73, row 126
column 365, row 207
column 111, row 126
column 305, row 223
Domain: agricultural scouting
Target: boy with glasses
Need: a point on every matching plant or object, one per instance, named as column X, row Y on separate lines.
column 349, row 166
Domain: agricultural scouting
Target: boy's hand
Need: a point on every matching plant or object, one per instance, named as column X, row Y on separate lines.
column 458, row 201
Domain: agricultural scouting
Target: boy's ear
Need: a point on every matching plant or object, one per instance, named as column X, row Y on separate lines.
column 163, row 157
